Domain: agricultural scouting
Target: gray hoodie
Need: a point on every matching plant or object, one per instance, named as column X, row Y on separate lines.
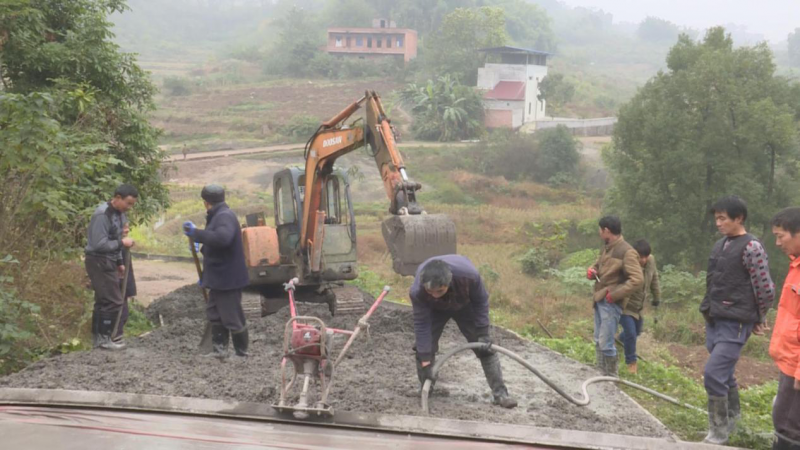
column 105, row 233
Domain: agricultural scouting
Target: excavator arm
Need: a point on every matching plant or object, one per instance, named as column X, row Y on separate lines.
column 410, row 234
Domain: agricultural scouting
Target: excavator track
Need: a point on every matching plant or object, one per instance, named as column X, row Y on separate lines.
column 347, row 300
column 251, row 304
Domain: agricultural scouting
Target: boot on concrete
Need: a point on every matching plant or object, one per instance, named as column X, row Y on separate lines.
column 219, row 341
column 734, row 409
column 717, row 420
column 241, row 341
column 105, row 332
column 633, row 368
column 494, row 375
column 611, row 366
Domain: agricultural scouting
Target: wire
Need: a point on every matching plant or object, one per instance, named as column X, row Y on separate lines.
column 576, row 401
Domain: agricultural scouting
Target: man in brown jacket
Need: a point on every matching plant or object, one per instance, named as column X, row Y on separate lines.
column 632, row 318
column 617, row 275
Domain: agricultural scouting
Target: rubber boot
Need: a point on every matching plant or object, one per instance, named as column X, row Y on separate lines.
column 781, row 443
column 494, row 375
column 717, row 420
column 241, row 341
column 219, row 341
column 633, row 368
column 734, row 409
column 105, row 328
column 611, row 366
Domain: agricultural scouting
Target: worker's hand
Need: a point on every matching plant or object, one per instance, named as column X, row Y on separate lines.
column 427, row 370
column 760, row 329
column 656, row 302
column 591, row 273
column 125, row 230
column 487, row 350
column 121, row 271
column 196, row 246
column 608, row 297
column 797, row 384
column 189, row 228
column 128, row 242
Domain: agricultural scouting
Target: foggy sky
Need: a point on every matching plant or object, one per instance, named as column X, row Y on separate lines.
column 774, row 19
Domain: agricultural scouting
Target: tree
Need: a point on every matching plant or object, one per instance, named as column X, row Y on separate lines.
column 794, row 47
column 717, row 122
column 556, row 90
column 60, row 70
column 528, row 25
column 558, row 155
column 444, row 110
column 454, row 48
column 653, row 29
column 299, row 42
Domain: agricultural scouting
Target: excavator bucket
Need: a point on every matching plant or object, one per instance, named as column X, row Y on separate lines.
column 412, row 239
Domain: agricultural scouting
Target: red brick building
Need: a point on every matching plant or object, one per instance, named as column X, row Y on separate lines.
column 384, row 40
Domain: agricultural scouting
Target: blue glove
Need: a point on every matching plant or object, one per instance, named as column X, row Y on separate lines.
column 196, row 247
column 189, row 228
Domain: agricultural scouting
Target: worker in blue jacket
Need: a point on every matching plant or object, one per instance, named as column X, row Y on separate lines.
column 224, row 272
column 450, row 287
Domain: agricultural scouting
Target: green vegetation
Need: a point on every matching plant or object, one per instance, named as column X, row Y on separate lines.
column 444, row 110
column 73, row 115
column 718, row 122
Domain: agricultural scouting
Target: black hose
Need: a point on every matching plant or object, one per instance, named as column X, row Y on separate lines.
column 426, row 387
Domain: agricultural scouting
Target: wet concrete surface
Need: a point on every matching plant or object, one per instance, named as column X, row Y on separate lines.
column 377, row 376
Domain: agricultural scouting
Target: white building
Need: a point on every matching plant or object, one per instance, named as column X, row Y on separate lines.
column 512, row 86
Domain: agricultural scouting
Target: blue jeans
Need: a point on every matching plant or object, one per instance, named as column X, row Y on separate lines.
column 606, row 320
column 631, row 329
column 724, row 340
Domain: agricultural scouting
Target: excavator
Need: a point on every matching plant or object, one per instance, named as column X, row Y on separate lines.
column 314, row 237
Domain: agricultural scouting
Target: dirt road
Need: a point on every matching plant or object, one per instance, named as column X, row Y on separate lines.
column 378, row 376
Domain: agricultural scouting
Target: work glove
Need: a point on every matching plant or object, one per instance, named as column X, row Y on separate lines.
column 591, row 273
column 196, row 246
column 487, row 350
column 427, row 372
column 189, row 228
column 608, row 297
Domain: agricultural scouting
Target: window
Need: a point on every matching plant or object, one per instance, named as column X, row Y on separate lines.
column 338, row 41
column 359, row 41
column 331, row 204
column 383, row 25
column 389, row 42
column 379, row 41
column 285, row 201
column 399, row 41
column 369, row 42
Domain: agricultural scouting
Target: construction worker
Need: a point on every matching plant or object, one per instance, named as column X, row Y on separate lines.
column 617, row 274
column 632, row 318
column 739, row 291
column 784, row 348
column 224, row 272
column 105, row 264
column 450, row 287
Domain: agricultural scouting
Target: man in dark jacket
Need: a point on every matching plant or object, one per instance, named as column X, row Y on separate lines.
column 224, row 271
column 739, row 291
column 449, row 287
column 105, row 264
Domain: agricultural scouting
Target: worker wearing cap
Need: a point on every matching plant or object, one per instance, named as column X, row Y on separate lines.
column 224, row 272
column 450, row 287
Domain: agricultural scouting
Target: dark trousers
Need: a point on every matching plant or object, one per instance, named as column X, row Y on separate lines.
column 466, row 324
column 105, row 282
column 225, row 308
column 786, row 410
column 724, row 342
column 631, row 329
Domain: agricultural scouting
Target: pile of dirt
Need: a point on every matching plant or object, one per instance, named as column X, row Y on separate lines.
column 378, row 376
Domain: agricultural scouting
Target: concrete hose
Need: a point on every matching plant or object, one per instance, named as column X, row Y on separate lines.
column 426, row 387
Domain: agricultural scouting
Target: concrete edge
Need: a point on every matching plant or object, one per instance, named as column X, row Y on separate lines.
column 428, row 426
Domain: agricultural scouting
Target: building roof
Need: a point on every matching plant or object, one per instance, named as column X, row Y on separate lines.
column 507, row 90
column 372, row 30
column 514, row 50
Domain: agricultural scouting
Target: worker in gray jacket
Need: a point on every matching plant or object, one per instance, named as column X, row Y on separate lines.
column 105, row 264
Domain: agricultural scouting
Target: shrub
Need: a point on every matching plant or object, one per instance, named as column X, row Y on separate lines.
column 14, row 314
column 535, row 262
column 177, row 86
column 581, row 258
column 558, row 156
column 301, row 126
